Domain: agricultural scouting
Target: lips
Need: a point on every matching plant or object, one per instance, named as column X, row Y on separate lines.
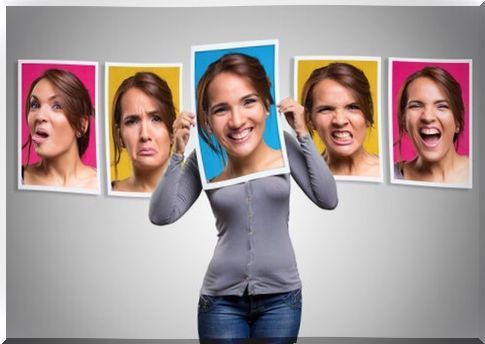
column 430, row 136
column 240, row 136
column 342, row 137
column 40, row 135
column 146, row 151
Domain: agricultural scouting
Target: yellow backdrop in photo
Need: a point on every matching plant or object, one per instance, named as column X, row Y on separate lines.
column 115, row 76
column 370, row 69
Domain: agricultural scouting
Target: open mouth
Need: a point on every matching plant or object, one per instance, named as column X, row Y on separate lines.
column 342, row 137
column 40, row 135
column 430, row 136
column 240, row 135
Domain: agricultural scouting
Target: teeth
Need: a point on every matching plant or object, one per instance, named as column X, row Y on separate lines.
column 240, row 135
column 341, row 134
column 429, row 131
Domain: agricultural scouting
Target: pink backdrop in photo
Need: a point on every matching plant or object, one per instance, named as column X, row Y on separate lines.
column 87, row 75
column 400, row 71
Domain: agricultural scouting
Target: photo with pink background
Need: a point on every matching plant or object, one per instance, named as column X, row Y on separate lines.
column 87, row 75
column 403, row 69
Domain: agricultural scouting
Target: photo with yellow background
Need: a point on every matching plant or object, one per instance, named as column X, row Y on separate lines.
column 115, row 75
column 305, row 66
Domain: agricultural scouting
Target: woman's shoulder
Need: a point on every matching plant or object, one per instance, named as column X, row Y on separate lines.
column 371, row 166
column 121, row 185
column 399, row 169
column 89, row 177
column 32, row 174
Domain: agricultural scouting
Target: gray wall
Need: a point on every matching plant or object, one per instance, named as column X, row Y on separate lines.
column 390, row 261
column 482, row 170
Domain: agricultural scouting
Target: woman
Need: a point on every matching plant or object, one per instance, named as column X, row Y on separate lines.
column 143, row 114
column 338, row 105
column 251, row 288
column 58, row 110
column 431, row 113
column 237, row 120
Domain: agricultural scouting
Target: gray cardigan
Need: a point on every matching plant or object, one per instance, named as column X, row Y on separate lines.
column 254, row 249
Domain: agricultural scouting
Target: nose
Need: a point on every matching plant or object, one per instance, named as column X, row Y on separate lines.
column 427, row 115
column 144, row 131
column 40, row 115
column 237, row 118
column 340, row 118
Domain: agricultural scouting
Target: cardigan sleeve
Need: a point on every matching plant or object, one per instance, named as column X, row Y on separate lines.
column 311, row 172
column 177, row 190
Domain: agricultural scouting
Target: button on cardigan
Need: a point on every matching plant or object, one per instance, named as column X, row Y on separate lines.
column 254, row 249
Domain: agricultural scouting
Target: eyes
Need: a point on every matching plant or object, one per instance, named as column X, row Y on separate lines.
column 417, row 105
column 329, row 109
column 223, row 109
column 35, row 105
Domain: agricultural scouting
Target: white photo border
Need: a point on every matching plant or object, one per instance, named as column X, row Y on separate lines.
column 107, row 65
column 395, row 180
column 378, row 59
column 22, row 186
column 194, row 132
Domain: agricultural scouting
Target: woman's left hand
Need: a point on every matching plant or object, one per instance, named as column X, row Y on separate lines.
column 295, row 115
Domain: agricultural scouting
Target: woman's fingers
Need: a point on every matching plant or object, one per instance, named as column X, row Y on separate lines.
column 181, row 130
column 295, row 115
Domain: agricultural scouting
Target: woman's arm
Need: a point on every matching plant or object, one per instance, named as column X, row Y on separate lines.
column 177, row 190
column 307, row 167
column 311, row 172
column 180, row 185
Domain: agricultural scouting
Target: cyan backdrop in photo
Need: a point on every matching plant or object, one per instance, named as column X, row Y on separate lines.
column 213, row 164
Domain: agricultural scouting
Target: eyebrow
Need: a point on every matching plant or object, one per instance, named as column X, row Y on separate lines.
column 421, row 102
column 154, row 112
column 49, row 99
column 149, row 113
column 323, row 106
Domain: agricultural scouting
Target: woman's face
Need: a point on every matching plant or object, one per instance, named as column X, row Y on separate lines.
column 429, row 120
column 142, row 130
column 52, row 134
column 237, row 115
column 338, row 119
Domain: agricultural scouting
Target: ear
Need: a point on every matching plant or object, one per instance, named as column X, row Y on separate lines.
column 118, row 138
column 208, row 125
column 84, row 124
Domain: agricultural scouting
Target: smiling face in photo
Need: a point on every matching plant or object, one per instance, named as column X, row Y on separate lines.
column 142, row 130
column 237, row 115
column 338, row 119
column 52, row 134
column 429, row 120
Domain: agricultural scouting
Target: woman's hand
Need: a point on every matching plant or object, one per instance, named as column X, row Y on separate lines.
column 295, row 115
column 181, row 131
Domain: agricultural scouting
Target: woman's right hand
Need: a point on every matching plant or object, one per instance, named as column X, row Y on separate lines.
column 181, row 131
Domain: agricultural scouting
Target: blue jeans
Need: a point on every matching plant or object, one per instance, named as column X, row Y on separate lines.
column 271, row 318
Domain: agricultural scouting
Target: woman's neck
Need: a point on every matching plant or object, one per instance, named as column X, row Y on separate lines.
column 348, row 165
column 441, row 170
column 63, row 169
column 261, row 159
column 146, row 180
